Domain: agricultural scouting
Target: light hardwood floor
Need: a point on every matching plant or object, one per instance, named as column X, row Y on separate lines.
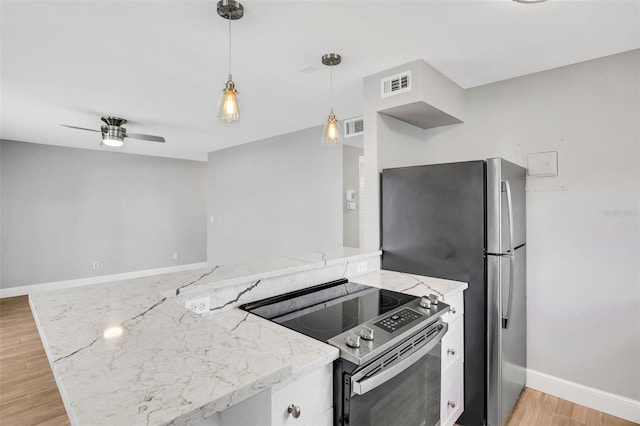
column 29, row 396
column 28, row 392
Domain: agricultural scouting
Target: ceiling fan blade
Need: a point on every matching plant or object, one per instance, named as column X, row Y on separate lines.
column 145, row 137
column 80, row 128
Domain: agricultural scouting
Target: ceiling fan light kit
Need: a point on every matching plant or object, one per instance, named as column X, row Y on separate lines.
column 113, row 133
column 331, row 134
column 229, row 106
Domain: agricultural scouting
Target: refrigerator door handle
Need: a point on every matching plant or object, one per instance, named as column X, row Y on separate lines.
column 506, row 188
column 505, row 318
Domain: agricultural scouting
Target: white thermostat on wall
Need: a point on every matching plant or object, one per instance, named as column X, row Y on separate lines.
column 351, row 195
column 542, row 163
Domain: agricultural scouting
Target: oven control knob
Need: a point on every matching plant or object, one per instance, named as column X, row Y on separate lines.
column 425, row 302
column 434, row 299
column 353, row 341
column 366, row 333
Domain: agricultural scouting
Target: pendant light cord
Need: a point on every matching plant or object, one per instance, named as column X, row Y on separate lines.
column 229, row 45
column 331, row 85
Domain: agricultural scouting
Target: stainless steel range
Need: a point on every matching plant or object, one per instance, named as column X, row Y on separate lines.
column 388, row 372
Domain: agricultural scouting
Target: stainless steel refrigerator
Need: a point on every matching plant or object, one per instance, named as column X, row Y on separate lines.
column 466, row 221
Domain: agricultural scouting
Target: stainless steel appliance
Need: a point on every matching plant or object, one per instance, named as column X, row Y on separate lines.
column 466, row 221
column 388, row 372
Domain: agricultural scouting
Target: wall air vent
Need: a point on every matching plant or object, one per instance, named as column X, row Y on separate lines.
column 395, row 84
column 353, row 127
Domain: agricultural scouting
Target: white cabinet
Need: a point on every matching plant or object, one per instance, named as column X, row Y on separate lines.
column 452, row 392
column 310, row 398
column 452, row 396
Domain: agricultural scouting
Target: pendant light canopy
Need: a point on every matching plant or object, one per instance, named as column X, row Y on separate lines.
column 331, row 134
column 229, row 107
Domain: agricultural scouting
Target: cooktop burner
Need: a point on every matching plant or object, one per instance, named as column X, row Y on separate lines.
column 362, row 321
column 330, row 309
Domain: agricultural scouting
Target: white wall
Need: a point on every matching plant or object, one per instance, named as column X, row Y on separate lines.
column 399, row 144
column 350, row 180
column 277, row 196
column 582, row 226
column 63, row 208
column 389, row 142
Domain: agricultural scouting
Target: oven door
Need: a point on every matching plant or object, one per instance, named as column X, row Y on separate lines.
column 401, row 388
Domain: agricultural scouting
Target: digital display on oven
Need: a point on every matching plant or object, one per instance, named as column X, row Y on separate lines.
column 398, row 320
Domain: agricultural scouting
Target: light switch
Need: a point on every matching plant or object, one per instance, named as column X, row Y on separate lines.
column 542, row 163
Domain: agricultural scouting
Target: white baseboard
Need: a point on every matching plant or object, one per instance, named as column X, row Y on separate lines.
column 616, row 405
column 57, row 285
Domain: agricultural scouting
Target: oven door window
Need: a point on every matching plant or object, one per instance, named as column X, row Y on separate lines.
column 412, row 398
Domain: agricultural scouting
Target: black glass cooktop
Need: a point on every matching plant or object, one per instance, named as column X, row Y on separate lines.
column 328, row 310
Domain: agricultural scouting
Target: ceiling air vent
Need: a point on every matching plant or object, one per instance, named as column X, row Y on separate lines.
column 395, row 84
column 353, row 127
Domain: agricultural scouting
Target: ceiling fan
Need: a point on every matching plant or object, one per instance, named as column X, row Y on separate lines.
column 113, row 133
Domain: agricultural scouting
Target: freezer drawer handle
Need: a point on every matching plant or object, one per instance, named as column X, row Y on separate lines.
column 507, row 189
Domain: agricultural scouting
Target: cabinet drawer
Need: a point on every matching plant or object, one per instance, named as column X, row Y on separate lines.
column 325, row 419
column 312, row 394
column 453, row 343
column 452, row 396
column 456, row 302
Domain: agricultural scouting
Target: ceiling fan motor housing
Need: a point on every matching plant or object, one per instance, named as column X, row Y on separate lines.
column 114, row 133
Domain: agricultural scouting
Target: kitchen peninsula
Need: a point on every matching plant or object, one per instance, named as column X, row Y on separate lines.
column 172, row 366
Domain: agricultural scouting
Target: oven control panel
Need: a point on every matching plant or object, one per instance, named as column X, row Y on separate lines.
column 398, row 320
column 362, row 343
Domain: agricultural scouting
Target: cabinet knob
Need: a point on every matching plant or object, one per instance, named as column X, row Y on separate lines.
column 453, row 310
column 451, row 404
column 294, row 410
column 451, row 351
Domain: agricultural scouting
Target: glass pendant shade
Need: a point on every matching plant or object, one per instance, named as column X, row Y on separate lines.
column 331, row 134
column 229, row 108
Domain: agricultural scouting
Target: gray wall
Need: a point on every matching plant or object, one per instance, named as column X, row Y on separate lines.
column 582, row 226
column 0, row 213
column 277, row 196
column 350, row 180
column 63, row 208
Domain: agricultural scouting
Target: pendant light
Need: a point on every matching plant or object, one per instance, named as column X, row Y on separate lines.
column 229, row 107
column 331, row 134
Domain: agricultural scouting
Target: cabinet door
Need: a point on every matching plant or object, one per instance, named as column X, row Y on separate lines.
column 312, row 395
column 453, row 343
column 250, row 412
column 452, row 397
column 456, row 302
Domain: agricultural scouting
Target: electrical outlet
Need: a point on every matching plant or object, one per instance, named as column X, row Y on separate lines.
column 175, row 256
column 199, row 306
column 362, row 267
column 96, row 265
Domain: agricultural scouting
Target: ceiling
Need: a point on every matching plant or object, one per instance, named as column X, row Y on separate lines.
column 163, row 64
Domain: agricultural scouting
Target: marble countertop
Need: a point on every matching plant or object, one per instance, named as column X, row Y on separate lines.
column 416, row 285
column 170, row 365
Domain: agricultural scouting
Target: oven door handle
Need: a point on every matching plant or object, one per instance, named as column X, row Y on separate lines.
column 363, row 386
